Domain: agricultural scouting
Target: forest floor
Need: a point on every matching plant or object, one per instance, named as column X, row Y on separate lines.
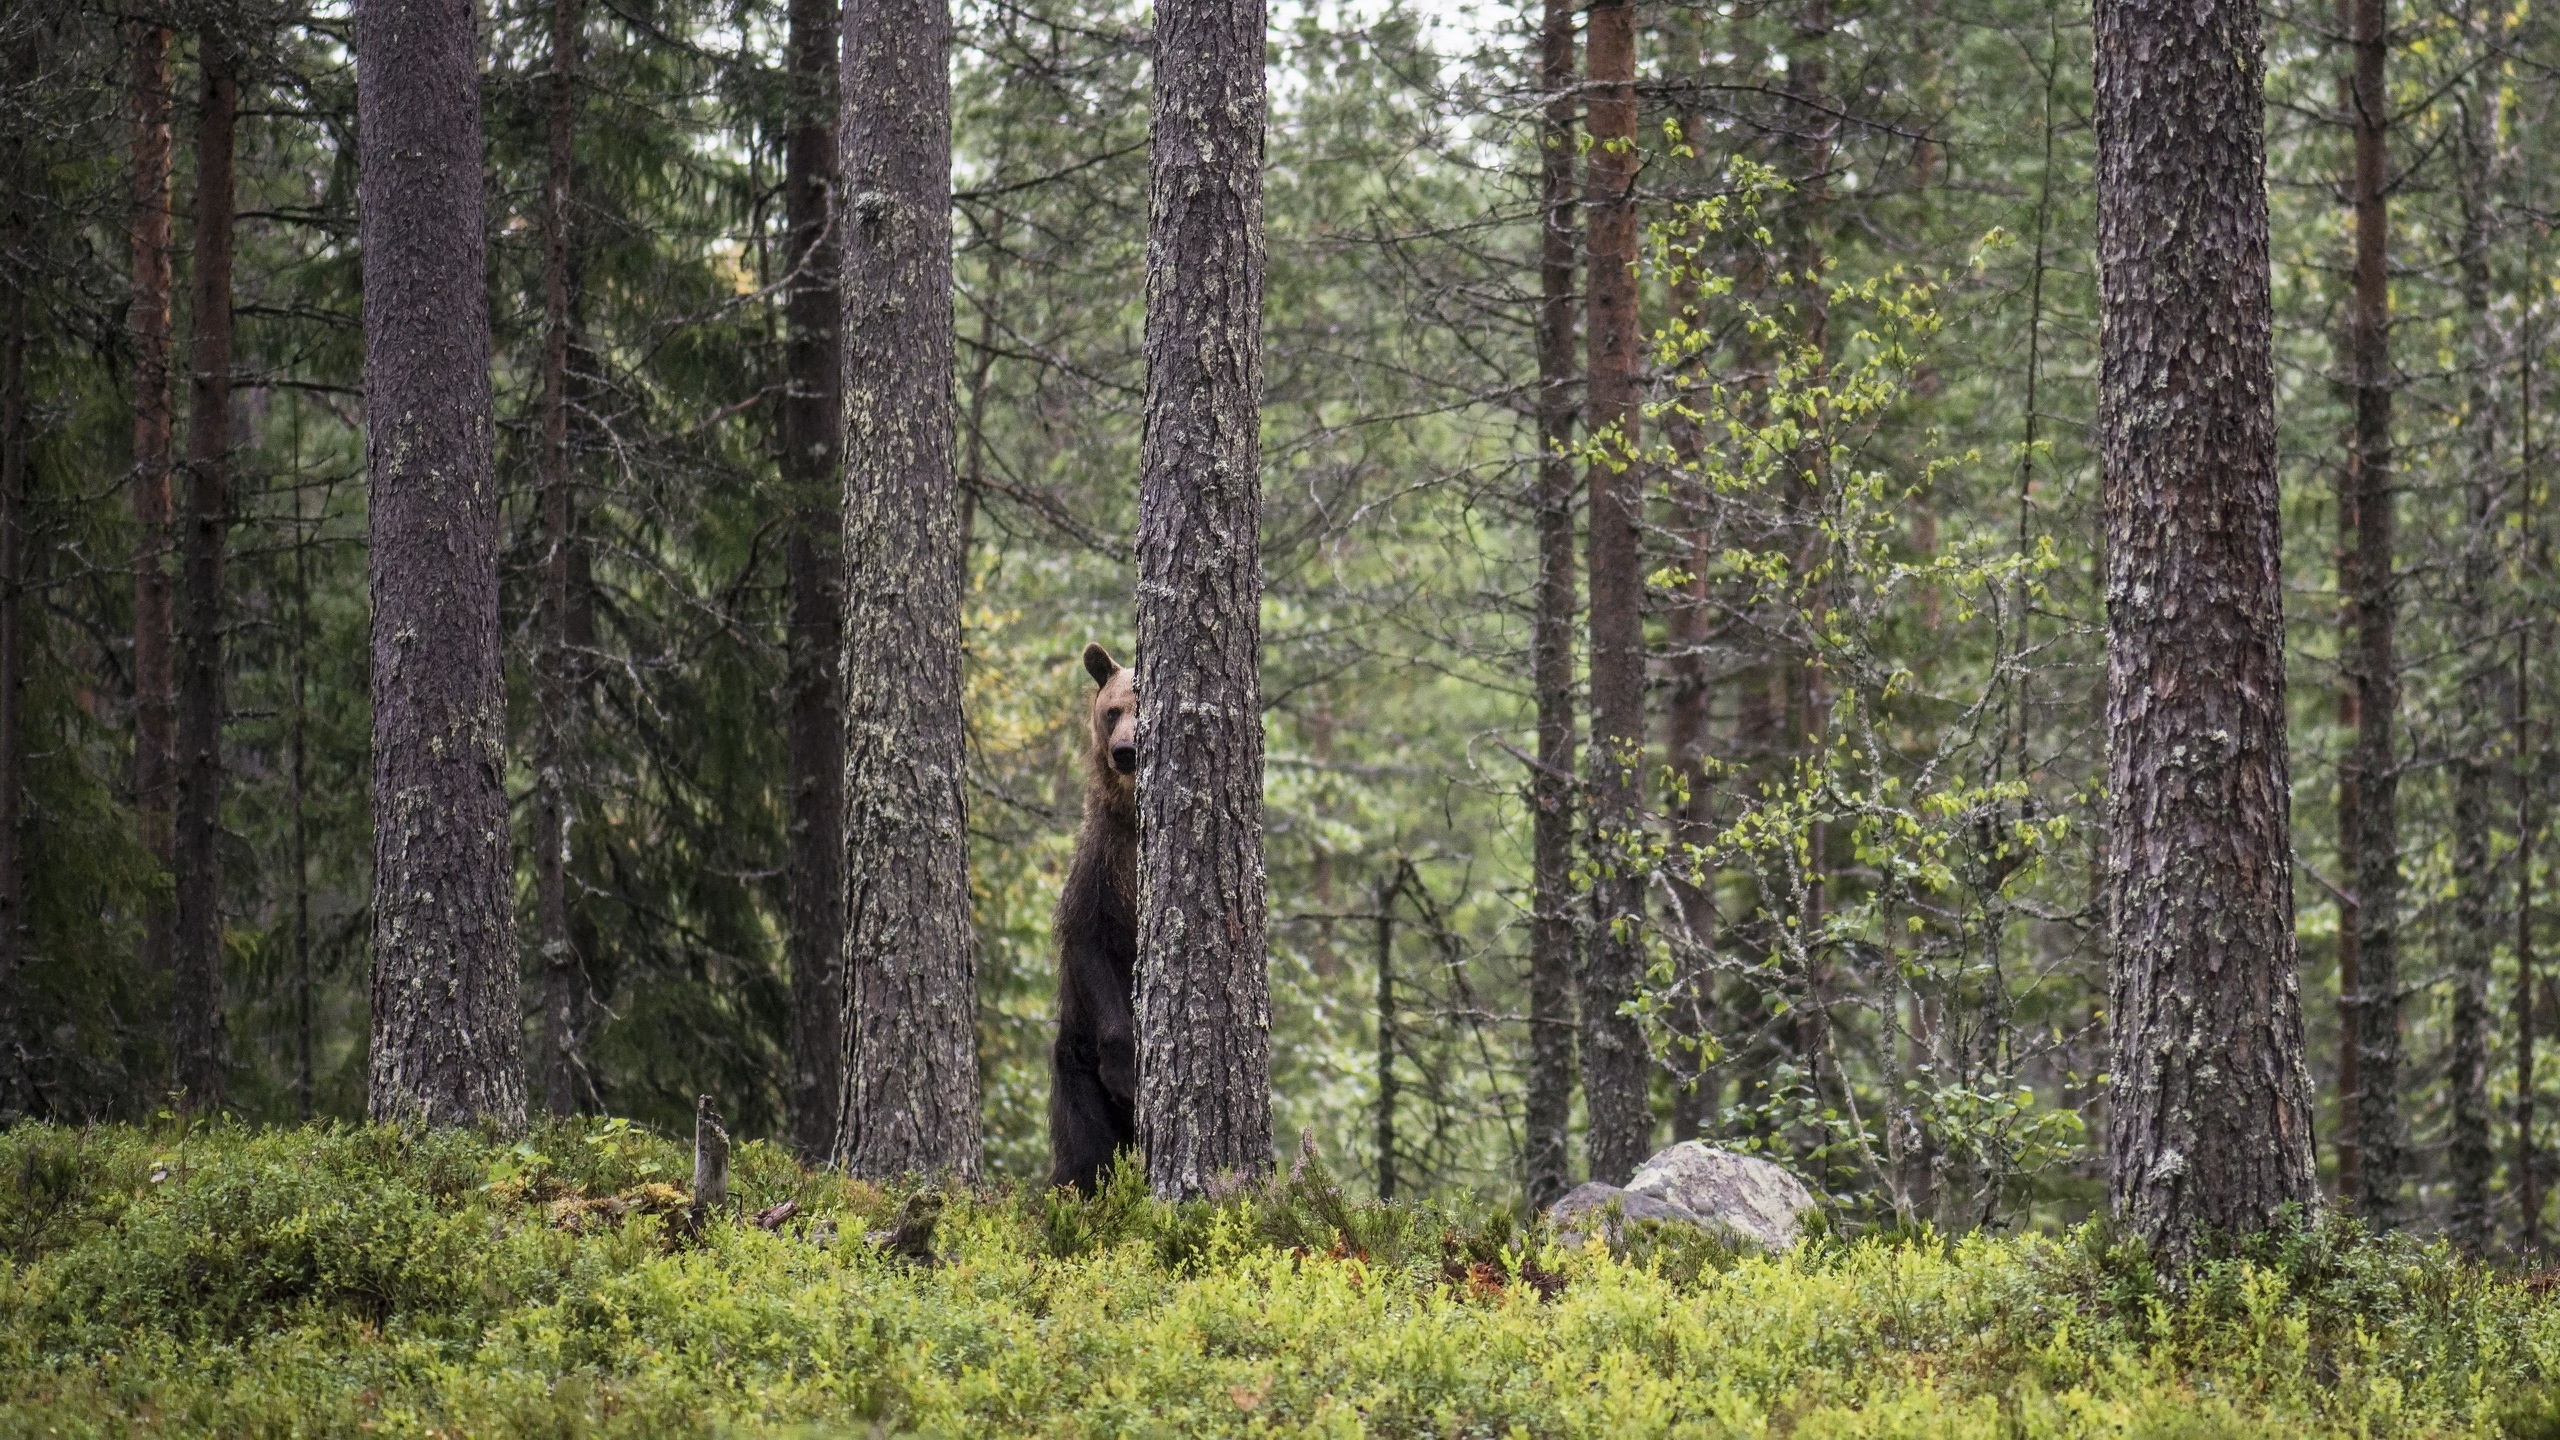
column 343, row 1281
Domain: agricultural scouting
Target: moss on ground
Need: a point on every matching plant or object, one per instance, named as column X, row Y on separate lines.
column 342, row 1281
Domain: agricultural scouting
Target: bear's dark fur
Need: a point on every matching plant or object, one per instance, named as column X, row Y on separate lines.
column 1093, row 1069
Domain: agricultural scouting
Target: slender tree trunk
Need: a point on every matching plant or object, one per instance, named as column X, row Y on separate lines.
column 155, row 705
column 911, row 995
column 298, row 775
column 1547, row 1165
column 16, row 239
column 1204, row 995
column 563, row 976
column 2471, row 1157
column 1757, row 683
column 198, row 1045
column 2528, row 1157
column 1685, row 718
column 1615, row 1068
column 973, row 474
column 2373, row 669
column 2210, row 1108
column 593, row 974
column 447, row 1029
column 2528, row 1162
column 1807, row 700
column 2350, row 917
column 1386, row 923
column 813, row 557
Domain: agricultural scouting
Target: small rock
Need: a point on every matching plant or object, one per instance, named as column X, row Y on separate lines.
column 1740, row 1196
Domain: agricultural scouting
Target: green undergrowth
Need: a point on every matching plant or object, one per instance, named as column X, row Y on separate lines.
column 337, row 1281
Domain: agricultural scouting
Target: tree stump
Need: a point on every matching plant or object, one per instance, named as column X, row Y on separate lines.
column 710, row 1161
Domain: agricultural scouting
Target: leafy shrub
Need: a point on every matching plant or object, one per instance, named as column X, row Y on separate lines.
column 339, row 1281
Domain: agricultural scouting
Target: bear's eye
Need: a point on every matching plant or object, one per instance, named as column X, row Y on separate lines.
column 1111, row 717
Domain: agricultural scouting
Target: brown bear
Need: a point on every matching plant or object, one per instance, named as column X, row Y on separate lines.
column 1093, row 1068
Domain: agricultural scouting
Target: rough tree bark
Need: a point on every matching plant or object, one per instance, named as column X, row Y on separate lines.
column 910, row 1011
column 562, row 976
column 447, row 1046
column 2372, row 667
column 1615, row 1068
column 2470, row 1156
column 197, row 1044
column 1204, row 997
column 813, row 549
column 1547, row 1164
column 2210, row 1108
column 147, row 324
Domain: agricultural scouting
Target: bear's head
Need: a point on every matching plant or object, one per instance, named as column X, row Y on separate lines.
column 1115, row 722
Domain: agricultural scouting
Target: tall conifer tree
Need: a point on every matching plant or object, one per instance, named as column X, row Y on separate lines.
column 1615, row 1068
column 2369, row 506
column 2210, row 1112
column 1549, row 1103
column 813, row 558
column 563, row 623
column 1204, row 1004
column 910, row 976
column 447, row 1046
column 198, row 1043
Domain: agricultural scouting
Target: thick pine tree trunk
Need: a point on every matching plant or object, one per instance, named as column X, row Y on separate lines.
column 198, row 1046
column 1547, row 1165
column 813, row 554
column 562, row 985
column 1204, row 996
column 2210, row 1110
column 910, row 966
column 447, row 1047
column 147, row 324
column 2373, row 668
column 1615, row 1069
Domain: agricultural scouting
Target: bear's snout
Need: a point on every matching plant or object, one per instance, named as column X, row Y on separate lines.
column 1124, row 758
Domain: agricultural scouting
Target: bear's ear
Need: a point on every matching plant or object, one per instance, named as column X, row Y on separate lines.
column 1099, row 664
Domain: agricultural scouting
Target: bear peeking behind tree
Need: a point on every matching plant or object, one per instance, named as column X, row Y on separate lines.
column 1093, row 1069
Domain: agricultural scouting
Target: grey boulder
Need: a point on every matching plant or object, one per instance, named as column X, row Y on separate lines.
column 1739, row 1196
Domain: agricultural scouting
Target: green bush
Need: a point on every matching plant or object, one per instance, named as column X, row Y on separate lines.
column 337, row 1281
